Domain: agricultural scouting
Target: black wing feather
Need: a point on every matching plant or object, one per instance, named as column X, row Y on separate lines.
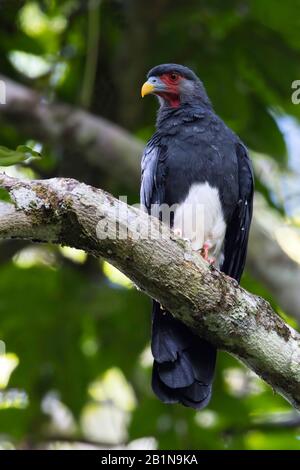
column 237, row 233
column 183, row 363
column 153, row 175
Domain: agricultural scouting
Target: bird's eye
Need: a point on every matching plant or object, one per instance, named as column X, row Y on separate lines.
column 173, row 77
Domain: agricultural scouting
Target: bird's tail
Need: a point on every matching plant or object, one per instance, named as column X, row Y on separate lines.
column 183, row 365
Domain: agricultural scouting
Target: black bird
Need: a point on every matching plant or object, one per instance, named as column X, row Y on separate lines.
column 193, row 160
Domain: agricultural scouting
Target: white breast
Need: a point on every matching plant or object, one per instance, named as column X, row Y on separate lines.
column 200, row 219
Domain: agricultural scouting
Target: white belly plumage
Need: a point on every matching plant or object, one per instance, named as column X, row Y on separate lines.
column 200, row 219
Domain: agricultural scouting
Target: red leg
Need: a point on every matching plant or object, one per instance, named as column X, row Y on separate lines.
column 205, row 252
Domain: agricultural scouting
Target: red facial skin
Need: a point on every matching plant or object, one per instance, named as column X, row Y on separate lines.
column 172, row 80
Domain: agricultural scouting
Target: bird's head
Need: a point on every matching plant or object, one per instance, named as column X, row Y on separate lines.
column 175, row 85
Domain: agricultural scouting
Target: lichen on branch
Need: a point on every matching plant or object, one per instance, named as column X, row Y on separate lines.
column 67, row 212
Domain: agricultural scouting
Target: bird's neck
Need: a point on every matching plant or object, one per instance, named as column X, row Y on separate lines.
column 168, row 116
column 169, row 100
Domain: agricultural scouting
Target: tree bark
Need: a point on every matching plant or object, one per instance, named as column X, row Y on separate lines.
column 117, row 154
column 67, row 212
column 270, row 265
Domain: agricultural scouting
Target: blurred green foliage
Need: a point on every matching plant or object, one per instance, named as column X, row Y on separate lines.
column 22, row 154
column 68, row 320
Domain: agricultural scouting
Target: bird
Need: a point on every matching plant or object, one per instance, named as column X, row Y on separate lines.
column 193, row 160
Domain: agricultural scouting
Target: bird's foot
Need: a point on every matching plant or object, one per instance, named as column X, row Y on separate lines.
column 207, row 245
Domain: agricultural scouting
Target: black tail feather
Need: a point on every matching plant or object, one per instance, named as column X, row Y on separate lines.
column 184, row 364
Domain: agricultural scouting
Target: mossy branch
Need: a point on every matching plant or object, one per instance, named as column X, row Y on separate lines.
column 112, row 155
column 67, row 212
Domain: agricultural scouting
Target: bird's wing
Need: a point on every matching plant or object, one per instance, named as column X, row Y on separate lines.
column 153, row 175
column 237, row 233
column 183, row 363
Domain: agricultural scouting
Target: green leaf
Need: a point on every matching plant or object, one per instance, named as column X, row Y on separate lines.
column 10, row 157
column 22, row 154
column 28, row 151
column 4, row 195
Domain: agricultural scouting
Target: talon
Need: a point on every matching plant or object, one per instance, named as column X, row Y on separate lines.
column 205, row 249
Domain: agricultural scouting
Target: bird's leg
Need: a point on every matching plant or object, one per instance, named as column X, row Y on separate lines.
column 207, row 245
column 205, row 249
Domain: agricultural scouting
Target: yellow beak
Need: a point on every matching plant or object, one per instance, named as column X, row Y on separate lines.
column 147, row 88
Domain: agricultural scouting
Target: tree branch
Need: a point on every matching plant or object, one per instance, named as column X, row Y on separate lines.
column 117, row 155
column 102, row 144
column 67, row 212
column 269, row 264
